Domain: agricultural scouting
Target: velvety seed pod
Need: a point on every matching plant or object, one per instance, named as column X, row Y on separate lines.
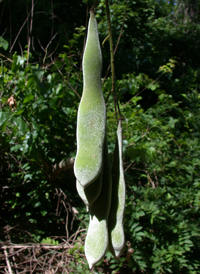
column 91, row 192
column 96, row 242
column 91, row 119
column 116, row 215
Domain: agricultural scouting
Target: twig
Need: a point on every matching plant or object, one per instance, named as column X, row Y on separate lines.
column 67, row 219
column 146, row 131
column 129, row 252
column 41, row 246
column 52, row 12
column 94, row 6
column 176, row 143
column 33, row 47
column 50, row 55
column 6, row 57
column 30, row 33
column 74, row 90
column 63, row 165
column 10, row 19
column 20, row 167
column 139, row 169
column 111, row 57
column 41, row 45
column 38, row 260
column 118, row 40
column 45, row 56
column 20, row 30
column 2, row 10
column 151, row 181
column 7, row 260
column 156, row 178
column 146, row 87
column 128, row 167
column 20, row 48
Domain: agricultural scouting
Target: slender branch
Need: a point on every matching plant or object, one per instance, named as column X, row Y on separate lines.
column 30, row 33
column 74, row 90
column 94, row 6
column 20, row 48
column 129, row 252
column 8, row 59
column 7, row 261
column 43, row 246
column 27, row 25
column 50, row 55
column 128, row 166
column 52, row 19
column 41, row 45
column 63, row 165
column 2, row 10
column 20, row 30
column 46, row 49
column 118, row 40
column 111, row 57
column 150, row 84
column 10, row 19
column 151, row 181
column 144, row 88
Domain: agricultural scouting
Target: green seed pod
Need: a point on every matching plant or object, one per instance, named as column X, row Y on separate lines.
column 116, row 215
column 91, row 192
column 96, row 242
column 91, row 120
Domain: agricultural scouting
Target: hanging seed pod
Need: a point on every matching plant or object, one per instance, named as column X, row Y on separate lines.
column 91, row 120
column 91, row 192
column 96, row 242
column 116, row 215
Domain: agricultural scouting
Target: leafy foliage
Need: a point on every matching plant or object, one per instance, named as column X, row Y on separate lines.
column 162, row 174
column 37, row 132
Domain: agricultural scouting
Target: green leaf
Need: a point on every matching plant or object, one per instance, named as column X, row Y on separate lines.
column 38, row 73
column 22, row 125
column 30, row 81
column 4, row 43
column 172, row 122
column 28, row 98
column 4, row 116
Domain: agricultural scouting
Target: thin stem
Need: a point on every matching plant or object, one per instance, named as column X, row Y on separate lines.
column 52, row 19
column 7, row 261
column 111, row 57
column 30, row 32
column 6, row 57
column 27, row 25
column 118, row 40
column 10, row 18
column 94, row 6
column 19, row 32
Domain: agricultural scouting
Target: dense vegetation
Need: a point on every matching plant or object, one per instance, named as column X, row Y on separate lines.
column 157, row 64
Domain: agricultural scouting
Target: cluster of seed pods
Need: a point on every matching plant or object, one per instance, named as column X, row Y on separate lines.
column 100, row 185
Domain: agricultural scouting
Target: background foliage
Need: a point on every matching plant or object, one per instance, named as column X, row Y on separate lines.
column 157, row 82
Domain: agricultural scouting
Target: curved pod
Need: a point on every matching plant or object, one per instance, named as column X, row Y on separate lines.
column 91, row 120
column 116, row 216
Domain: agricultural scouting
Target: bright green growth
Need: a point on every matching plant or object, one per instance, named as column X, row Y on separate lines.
column 91, row 121
column 49, row 241
column 91, row 192
column 96, row 242
column 116, row 216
